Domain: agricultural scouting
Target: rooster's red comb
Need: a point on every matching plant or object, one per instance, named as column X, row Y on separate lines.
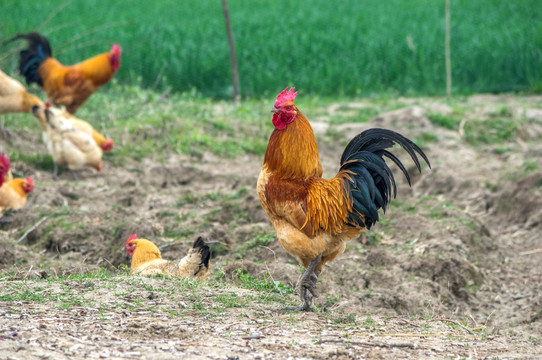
column 47, row 105
column 4, row 162
column 133, row 237
column 284, row 96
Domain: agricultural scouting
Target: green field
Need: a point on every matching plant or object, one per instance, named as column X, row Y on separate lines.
column 349, row 47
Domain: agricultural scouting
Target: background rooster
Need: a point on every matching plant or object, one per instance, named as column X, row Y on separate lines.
column 104, row 143
column 67, row 145
column 13, row 193
column 14, row 97
column 314, row 217
column 147, row 260
column 69, row 86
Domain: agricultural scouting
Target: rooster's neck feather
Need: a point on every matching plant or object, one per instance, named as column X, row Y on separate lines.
column 293, row 152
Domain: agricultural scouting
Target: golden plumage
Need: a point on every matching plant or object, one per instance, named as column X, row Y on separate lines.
column 68, row 86
column 147, row 260
column 308, row 212
column 71, row 86
column 314, row 217
column 13, row 193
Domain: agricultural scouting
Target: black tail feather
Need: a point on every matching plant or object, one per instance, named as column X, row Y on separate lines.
column 371, row 184
column 203, row 250
column 31, row 58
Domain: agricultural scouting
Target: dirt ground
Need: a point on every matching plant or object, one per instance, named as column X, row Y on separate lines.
column 452, row 271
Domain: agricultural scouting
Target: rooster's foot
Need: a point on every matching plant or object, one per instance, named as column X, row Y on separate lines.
column 306, row 297
column 307, row 285
column 302, row 307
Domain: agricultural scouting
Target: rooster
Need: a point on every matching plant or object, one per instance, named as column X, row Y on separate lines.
column 13, row 193
column 67, row 145
column 147, row 260
column 68, row 86
column 314, row 217
column 14, row 97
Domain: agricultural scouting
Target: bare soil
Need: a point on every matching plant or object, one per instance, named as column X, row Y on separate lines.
column 452, row 271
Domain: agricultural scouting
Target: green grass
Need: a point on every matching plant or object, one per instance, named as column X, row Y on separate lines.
column 79, row 290
column 495, row 130
column 143, row 122
column 255, row 242
column 447, row 121
column 322, row 47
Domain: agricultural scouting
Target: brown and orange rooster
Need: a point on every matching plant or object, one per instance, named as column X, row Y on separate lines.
column 69, row 86
column 13, row 193
column 314, row 217
column 147, row 260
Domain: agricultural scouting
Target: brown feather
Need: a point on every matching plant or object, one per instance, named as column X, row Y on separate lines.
column 71, row 86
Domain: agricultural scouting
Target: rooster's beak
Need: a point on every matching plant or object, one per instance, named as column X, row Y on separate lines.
column 275, row 109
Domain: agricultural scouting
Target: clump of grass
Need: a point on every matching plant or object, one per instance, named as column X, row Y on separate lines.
column 447, row 121
column 495, row 130
column 247, row 281
column 257, row 241
column 425, row 138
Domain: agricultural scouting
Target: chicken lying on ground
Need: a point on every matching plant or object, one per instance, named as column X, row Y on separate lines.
column 147, row 260
column 13, row 193
column 67, row 145
column 69, row 86
column 314, row 217
column 14, row 97
column 4, row 168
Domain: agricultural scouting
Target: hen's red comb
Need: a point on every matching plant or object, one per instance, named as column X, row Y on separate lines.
column 30, row 185
column 284, row 96
column 133, row 237
column 47, row 105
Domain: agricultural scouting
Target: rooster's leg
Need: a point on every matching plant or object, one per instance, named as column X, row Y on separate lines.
column 307, row 283
column 55, row 172
column 313, row 280
column 74, row 174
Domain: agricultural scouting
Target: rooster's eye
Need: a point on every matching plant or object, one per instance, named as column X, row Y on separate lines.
column 288, row 108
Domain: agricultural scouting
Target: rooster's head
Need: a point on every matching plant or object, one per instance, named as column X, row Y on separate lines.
column 114, row 56
column 284, row 110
